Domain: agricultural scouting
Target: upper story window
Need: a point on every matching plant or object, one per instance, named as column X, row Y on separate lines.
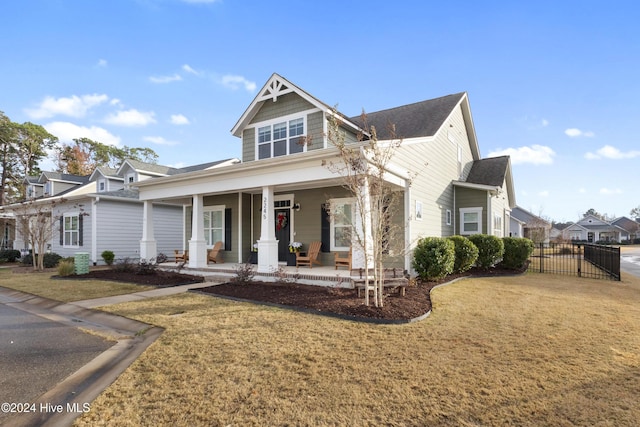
column 130, row 178
column 47, row 188
column 102, row 186
column 281, row 138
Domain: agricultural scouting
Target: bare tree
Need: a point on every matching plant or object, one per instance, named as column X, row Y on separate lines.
column 364, row 166
column 35, row 222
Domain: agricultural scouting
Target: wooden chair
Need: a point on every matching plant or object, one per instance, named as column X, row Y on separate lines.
column 213, row 253
column 181, row 256
column 311, row 257
column 343, row 261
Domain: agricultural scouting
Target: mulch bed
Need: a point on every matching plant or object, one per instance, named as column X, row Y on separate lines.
column 160, row 278
column 341, row 302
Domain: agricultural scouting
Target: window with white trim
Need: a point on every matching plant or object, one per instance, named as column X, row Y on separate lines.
column 342, row 217
column 497, row 225
column 448, row 216
column 470, row 221
column 71, row 230
column 47, row 188
column 102, row 186
column 281, row 138
column 213, row 225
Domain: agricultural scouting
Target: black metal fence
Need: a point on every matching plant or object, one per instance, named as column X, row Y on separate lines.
column 577, row 259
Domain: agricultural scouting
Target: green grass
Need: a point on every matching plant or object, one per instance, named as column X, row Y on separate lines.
column 527, row 350
column 66, row 290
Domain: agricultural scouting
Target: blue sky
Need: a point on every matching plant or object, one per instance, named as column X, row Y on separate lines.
column 552, row 83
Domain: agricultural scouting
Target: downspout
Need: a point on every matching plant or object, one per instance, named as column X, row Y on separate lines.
column 455, row 213
column 408, row 232
column 489, row 215
column 239, row 227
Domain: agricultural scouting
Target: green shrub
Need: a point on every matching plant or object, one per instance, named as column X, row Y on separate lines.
column 434, row 257
column 11, row 255
column 517, row 251
column 466, row 253
column 490, row 249
column 66, row 268
column 50, row 260
column 108, row 257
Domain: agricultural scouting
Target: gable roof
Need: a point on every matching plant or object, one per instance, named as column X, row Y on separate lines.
column 57, row 176
column 626, row 223
column 491, row 171
column 274, row 87
column 526, row 216
column 106, row 172
column 423, row 118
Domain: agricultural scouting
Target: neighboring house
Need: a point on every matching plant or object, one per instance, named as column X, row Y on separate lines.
column 104, row 212
column 534, row 227
column 631, row 228
column 283, row 188
column 593, row 229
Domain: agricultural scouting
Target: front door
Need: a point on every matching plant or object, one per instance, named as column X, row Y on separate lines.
column 282, row 232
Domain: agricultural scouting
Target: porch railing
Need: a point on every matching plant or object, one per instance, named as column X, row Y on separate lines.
column 577, row 259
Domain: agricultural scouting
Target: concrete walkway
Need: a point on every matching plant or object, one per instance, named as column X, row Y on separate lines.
column 69, row 398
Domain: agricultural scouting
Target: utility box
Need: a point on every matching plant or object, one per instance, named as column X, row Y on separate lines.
column 81, row 262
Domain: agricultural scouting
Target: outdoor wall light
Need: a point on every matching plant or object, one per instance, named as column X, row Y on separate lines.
column 296, row 206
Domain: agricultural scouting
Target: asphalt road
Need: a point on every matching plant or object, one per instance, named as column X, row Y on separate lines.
column 630, row 261
column 38, row 353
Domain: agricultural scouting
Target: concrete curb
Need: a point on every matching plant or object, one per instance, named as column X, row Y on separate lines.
column 80, row 388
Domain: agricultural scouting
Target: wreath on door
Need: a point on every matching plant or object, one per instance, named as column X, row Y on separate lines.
column 281, row 221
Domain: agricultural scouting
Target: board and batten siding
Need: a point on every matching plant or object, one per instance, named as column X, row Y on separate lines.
column 436, row 164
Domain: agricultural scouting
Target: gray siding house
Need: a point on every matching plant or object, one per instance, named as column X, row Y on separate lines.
column 281, row 190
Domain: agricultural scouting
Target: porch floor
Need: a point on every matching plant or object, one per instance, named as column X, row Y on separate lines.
column 318, row 275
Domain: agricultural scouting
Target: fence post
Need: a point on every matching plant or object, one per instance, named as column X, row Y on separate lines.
column 541, row 257
column 579, row 262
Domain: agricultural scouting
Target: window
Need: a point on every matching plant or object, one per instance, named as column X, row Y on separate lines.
column 71, row 230
column 342, row 214
column 448, row 216
column 214, row 225
column 47, row 188
column 471, row 221
column 131, row 178
column 418, row 210
column 281, row 138
column 497, row 225
column 459, row 162
column 101, row 185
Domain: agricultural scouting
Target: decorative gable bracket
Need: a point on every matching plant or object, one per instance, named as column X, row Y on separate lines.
column 273, row 89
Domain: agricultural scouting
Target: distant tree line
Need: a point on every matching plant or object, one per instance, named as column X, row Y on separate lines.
column 23, row 146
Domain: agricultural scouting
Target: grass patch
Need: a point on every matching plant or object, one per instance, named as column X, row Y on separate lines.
column 528, row 350
column 70, row 290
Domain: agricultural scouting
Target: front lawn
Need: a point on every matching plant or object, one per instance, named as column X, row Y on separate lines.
column 527, row 350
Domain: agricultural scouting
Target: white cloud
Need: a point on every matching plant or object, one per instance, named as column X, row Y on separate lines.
column 582, row 190
column 235, row 82
column 66, row 132
column 187, row 68
column 609, row 191
column 102, row 63
column 575, row 132
column 165, row 79
column 610, row 152
column 179, row 119
column 74, row 106
column 159, row 140
column 544, row 123
column 543, row 193
column 131, row 118
column 535, row 154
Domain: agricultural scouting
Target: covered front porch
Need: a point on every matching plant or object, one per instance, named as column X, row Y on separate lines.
column 261, row 209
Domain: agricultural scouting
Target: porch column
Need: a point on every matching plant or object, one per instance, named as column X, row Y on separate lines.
column 197, row 244
column 148, row 246
column 267, row 245
column 362, row 228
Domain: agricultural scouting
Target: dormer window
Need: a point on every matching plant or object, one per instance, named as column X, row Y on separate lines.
column 102, row 185
column 280, row 138
column 47, row 188
column 131, row 178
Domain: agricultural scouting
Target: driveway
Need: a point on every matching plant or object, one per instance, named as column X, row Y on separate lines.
column 51, row 370
column 630, row 260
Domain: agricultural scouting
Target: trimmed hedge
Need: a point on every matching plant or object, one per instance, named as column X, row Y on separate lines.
column 11, row 255
column 490, row 249
column 517, row 251
column 466, row 253
column 50, row 260
column 434, row 257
